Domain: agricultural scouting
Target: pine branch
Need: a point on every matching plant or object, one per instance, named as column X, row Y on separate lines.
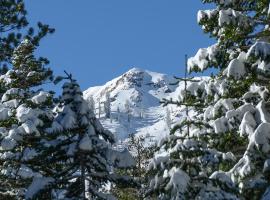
column 166, row 102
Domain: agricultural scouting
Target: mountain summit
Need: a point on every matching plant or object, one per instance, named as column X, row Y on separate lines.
column 135, row 103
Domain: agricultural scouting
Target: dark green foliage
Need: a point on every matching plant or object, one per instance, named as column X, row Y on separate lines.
column 18, row 42
column 142, row 155
column 14, row 27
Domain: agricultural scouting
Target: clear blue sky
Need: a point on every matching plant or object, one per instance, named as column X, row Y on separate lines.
column 97, row 40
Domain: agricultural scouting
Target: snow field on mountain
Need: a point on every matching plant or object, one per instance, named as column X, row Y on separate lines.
column 143, row 90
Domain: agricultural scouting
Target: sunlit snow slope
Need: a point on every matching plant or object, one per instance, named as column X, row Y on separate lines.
column 143, row 90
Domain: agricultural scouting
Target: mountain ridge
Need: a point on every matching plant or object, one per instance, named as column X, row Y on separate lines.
column 143, row 90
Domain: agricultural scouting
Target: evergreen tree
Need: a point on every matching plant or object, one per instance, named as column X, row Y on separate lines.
column 185, row 160
column 26, row 110
column 99, row 108
column 236, row 109
column 118, row 114
column 239, row 109
column 92, row 105
column 25, row 113
column 141, row 110
column 14, row 28
column 128, row 110
column 107, row 105
column 142, row 149
column 81, row 155
column 168, row 118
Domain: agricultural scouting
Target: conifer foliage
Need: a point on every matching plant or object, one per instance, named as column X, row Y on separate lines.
column 220, row 149
column 185, row 160
column 25, row 113
column 239, row 108
column 234, row 118
column 14, row 28
column 82, row 153
column 48, row 151
column 107, row 105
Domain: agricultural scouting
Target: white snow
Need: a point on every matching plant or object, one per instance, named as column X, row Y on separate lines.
column 256, row 90
column 24, row 113
column 69, row 120
column 259, row 50
column 25, row 172
column 6, row 78
column 223, row 177
column 38, row 184
column 12, row 103
column 234, row 17
column 55, row 127
column 4, row 113
column 86, row 143
column 120, row 159
column 3, row 132
column 227, row 2
column 247, row 125
column 236, row 68
column 228, row 156
column 266, row 166
column 30, row 128
column 41, row 97
column 206, row 14
column 144, row 90
column 15, row 134
column 239, row 112
column 261, row 138
column 242, row 169
column 8, row 143
column 7, row 155
column 29, row 154
column 202, row 58
column 179, row 180
column 262, row 114
column 221, row 125
column 158, row 160
column 264, row 67
column 11, row 92
column 72, row 148
column 202, row 14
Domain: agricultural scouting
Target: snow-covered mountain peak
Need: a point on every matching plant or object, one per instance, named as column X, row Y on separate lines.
column 139, row 77
column 142, row 90
column 135, row 70
column 136, row 85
